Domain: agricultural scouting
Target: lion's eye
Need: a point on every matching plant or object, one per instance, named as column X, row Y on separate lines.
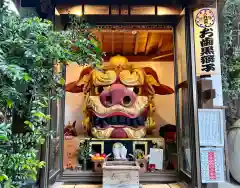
column 137, row 90
column 99, row 90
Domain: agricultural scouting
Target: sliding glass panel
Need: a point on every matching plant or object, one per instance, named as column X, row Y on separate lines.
column 186, row 100
column 54, row 143
column 182, row 89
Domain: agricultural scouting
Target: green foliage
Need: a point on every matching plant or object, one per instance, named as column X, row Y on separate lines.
column 85, row 42
column 19, row 166
column 230, row 59
column 5, row 131
column 84, row 150
column 30, row 52
column 230, row 54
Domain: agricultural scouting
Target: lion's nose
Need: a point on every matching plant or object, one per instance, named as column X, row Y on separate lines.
column 117, row 94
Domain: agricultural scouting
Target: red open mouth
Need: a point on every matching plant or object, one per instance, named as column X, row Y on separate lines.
column 118, row 121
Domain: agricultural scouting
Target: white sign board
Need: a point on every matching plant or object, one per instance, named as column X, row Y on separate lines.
column 156, row 157
column 207, row 50
column 212, row 165
column 211, row 127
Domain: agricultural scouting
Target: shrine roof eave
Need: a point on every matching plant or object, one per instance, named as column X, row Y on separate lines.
column 173, row 3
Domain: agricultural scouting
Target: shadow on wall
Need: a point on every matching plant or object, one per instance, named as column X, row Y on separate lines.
column 73, row 101
column 165, row 105
column 73, row 109
column 159, row 123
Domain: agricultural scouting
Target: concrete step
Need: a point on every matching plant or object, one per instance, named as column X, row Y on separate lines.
column 220, row 185
column 59, row 185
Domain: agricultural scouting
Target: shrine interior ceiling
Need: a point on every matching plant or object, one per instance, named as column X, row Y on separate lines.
column 137, row 45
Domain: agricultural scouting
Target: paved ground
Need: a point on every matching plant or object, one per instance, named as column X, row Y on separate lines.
column 235, row 184
column 226, row 185
column 58, row 185
column 221, row 185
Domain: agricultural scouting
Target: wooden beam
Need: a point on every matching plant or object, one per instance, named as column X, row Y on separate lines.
column 169, row 43
column 149, row 37
column 141, row 58
column 166, row 46
column 101, row 40
column 123, row 44
column 136, row 44
column 113, row 43
column 117, row 30
column 166, row 40
column 162, row 56
column 160, row 43
column 106, row 21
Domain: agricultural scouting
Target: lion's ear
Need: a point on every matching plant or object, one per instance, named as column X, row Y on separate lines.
column 152, row 79
column 73, row 88
column 163, row 90
column 79, row 85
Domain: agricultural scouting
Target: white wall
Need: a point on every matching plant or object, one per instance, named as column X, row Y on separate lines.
column 73, row 101
column 165, row 105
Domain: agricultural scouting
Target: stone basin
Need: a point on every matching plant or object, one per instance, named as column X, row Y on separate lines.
column 121, row 174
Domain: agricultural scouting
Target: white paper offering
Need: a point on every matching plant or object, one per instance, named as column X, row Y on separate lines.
column 156, row 157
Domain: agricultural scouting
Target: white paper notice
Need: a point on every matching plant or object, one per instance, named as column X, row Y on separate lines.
column 211, row 129
column 212, row 165
column 156, row 157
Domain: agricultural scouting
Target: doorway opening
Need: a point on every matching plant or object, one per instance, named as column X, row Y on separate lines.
column 139, row 64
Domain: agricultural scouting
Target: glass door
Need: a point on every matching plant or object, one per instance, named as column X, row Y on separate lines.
column 54, row 143
column 55, row 153
column 186, row 103
column 52, row 150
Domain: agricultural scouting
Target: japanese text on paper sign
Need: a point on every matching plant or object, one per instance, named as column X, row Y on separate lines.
column 207, row 50
column 206, row 56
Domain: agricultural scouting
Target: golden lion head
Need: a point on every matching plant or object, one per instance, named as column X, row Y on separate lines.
column 119, row 98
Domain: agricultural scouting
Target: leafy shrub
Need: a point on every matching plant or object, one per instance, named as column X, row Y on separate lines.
column 30, row 52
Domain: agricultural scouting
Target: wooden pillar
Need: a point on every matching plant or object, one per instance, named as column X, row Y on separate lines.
column 206, row 93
